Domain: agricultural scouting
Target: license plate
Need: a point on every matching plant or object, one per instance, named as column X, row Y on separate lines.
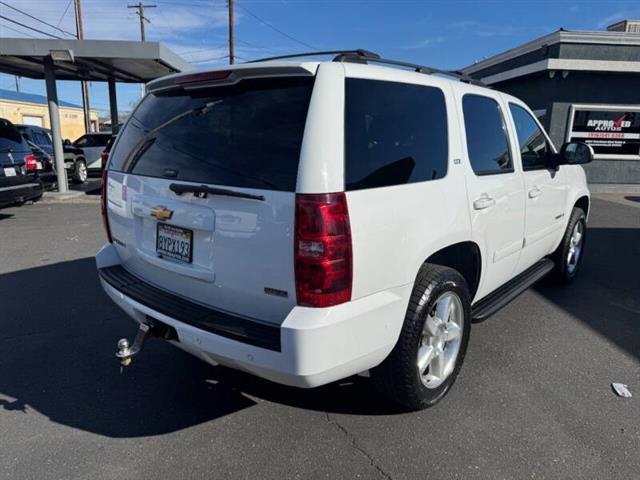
column 174, row 242
column 10, row 172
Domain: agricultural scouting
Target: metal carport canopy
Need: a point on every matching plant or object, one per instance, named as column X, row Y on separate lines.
column 94, row 60
column 91, row 60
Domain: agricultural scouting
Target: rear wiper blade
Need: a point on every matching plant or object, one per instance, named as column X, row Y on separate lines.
column 204, row 190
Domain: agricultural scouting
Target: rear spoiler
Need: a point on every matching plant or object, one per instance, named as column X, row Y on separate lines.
column 229, row 76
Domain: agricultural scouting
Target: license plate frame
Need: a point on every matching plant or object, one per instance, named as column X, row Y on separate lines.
column 172, row 232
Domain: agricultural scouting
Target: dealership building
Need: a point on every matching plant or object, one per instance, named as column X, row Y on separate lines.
column 32, row 109
column 583, row 86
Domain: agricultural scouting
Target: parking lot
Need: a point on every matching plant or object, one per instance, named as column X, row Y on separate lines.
column 533, row 400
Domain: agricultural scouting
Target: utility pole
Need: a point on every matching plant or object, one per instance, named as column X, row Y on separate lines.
column 140, row 12
column 231, row 39
column 86, row 107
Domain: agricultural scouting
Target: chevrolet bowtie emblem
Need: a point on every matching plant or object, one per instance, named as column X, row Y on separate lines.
column 161, row 213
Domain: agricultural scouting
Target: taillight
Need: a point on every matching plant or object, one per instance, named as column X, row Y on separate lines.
column 201, row 77
column 103, row 206
column 30, row 162
column 323, row 254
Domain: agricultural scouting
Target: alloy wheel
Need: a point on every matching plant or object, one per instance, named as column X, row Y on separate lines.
column 440, row 340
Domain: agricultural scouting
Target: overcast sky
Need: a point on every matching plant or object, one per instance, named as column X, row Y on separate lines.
column 446, row 34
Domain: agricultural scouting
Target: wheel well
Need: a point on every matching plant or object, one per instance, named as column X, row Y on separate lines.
column 465, row 258
column 583, row 203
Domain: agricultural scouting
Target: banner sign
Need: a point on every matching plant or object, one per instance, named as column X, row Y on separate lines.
column 609, row 132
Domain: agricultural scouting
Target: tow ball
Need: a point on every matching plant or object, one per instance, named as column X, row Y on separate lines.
column 126, row 352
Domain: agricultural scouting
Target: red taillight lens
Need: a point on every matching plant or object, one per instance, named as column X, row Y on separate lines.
column 201, row 77
column 323, row 254
column 103, row 206
column 30, row 162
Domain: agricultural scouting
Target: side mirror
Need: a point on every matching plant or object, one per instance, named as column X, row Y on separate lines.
column 67, row 141
column 575, row 153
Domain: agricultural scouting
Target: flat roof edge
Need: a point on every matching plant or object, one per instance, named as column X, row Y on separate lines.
column 560, row 36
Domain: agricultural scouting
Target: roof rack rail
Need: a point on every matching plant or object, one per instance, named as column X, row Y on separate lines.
column 365, row 56
column 340, row 53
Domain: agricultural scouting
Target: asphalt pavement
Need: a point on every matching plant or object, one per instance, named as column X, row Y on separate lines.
column 533, row 399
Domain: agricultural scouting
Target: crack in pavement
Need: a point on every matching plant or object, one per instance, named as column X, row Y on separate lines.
column 355, row 445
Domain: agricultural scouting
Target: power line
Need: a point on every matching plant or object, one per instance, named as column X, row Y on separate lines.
column 275, row 28
column 17, row 31
column 190, row 52
column 205, row 60
column 30, row 28
column 35, row 18
column 65, row 12
column 252, row 45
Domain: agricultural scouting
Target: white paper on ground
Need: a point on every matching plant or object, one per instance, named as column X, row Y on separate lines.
column 621, row 390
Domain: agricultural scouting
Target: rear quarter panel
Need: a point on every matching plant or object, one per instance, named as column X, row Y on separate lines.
column 395, row 229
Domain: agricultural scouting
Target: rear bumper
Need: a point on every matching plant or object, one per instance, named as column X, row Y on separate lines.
column 316, row 346
column 28, row 189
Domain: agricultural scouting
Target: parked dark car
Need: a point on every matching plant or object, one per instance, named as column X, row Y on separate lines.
column 16, row 186
column 40, row 165
column 75, row 158
column 39, row 136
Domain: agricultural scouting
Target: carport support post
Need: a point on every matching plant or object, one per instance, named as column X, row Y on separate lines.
column 113, row 105
column 54, row 117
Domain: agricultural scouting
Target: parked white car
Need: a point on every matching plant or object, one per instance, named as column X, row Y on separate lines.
column 84, row 156
column 309, row 221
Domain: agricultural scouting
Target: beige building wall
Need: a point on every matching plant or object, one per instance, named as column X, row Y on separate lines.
column 71, row 118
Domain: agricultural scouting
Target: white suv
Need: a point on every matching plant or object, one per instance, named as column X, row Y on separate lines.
column 309, row 221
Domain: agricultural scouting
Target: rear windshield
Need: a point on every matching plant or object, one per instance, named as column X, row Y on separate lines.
column 10, row 138
column 246, row 135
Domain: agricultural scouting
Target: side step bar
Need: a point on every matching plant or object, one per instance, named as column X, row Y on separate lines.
column 500, row 297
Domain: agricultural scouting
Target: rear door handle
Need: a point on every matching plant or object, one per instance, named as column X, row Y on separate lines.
column 483, row 202
column 535, row 192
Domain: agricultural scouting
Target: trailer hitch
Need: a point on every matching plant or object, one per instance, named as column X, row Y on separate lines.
column 126, row 352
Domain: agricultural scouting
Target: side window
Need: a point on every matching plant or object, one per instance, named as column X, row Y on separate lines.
column 534, row 149
column 395, row 133
column 84, row 141
column 102, row 140
column 487, row 143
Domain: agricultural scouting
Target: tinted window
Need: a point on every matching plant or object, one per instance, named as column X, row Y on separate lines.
column 84, row 141
column 40, row 138
column 486, row 135
column 246, row 135
column 46, row 138
column 101, row 140
column 395, row 133
column 10, row 137
column 92, row 141
column 534, row 149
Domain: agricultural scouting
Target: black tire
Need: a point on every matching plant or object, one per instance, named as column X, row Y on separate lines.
column 79, row 174
column 562, row 271
column 398, row 377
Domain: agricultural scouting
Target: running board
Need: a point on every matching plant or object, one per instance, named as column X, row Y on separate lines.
column 500, row 297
